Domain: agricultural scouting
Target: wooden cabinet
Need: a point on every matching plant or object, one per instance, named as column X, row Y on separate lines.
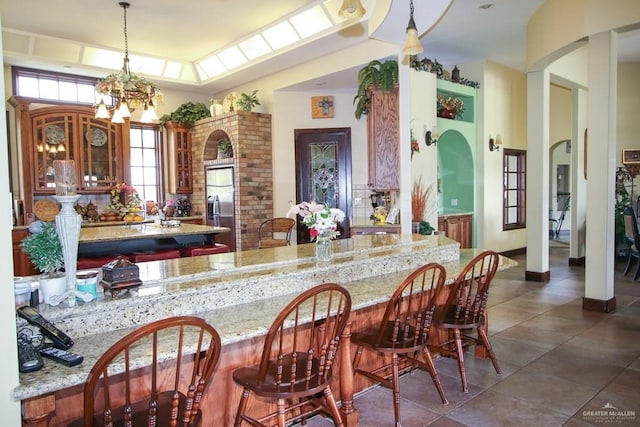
column 384, row 141
column 179, row 168
column 22, row 265
column 458, row 228
column 69, row 133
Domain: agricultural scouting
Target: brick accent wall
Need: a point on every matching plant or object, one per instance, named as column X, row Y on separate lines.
column 250, row 135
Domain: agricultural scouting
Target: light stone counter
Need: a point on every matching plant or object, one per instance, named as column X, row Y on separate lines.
column 240, row 293
column 144, row 231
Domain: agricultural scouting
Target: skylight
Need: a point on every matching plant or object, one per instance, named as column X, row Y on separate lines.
column 311, row 21
column 254, row 47
column 232, row 57
column 280, row 35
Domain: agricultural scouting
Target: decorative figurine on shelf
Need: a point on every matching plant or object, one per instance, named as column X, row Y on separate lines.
column 169, row 208
column 380, row 215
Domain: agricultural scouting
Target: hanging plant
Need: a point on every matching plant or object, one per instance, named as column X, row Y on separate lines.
column 376, row 74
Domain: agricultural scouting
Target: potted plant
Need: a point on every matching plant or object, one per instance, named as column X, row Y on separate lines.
column 449, row 107
column 376, row 74
column 225, row 148
column 247, row 101
column 45, row 251
column 187, row 113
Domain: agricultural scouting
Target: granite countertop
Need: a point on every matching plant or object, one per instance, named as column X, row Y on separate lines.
column 240, row 293
column 144, row 231
column 113, row 223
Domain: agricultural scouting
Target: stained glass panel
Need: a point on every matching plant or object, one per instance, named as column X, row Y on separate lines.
column 324, row 173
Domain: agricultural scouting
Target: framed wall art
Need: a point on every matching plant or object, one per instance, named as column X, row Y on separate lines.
column 321, row 107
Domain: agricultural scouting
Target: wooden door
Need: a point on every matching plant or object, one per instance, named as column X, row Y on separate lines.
column 323, row 172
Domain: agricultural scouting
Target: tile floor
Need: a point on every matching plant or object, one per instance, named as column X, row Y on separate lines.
column 558, row 361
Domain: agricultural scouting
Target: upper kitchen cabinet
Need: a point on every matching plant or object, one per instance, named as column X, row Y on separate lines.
column 179, row 164
column 69, row 133
column 384, row 140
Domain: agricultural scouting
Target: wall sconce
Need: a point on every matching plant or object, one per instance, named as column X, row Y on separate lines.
column 431, row 137
column 494, row 144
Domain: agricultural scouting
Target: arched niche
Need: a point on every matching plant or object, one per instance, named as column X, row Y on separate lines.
column 456, row 173
column 214, row 146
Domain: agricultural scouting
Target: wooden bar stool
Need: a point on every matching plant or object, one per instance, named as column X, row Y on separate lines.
column 98, row 262
column 275, row 232
column 154, row 255
column 216, row 248
column 403, row 333
column 466, row 308
column 299, row 351
column 169, row 392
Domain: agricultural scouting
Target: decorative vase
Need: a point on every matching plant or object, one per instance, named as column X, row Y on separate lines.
column 68, row 224
column 447, row 114
column 324, row 249
column 216, row 108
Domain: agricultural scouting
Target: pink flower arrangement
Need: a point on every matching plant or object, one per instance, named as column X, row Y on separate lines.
column 318, row 217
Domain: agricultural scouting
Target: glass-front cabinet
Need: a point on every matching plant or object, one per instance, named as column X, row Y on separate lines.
column 91, row 142
column 48, row 133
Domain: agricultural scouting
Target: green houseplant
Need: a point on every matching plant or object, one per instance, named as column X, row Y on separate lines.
column 247, row 101
column 187, row 113
column 45, row 251
column 225, row 148
column 378, row 75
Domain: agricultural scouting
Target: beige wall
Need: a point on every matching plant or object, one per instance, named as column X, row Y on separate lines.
column 504, row 102
column 559, row 25
column 424, row 164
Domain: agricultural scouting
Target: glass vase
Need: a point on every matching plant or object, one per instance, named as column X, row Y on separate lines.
column 324, row 249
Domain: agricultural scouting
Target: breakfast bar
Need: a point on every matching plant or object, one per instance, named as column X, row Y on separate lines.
column 107, row 240
column 239, row 293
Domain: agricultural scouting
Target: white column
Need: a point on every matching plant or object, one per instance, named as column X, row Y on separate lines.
column 578, row 183
column 538, row 175
column 601, row 166
column 405, row 149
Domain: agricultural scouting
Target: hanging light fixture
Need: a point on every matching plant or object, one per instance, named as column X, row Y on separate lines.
column 412, row 46
column 352, row 9
column 127, row 90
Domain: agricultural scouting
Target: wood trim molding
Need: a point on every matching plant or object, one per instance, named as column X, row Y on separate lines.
column 577, row 262
column 601, row 306
column 534, row 276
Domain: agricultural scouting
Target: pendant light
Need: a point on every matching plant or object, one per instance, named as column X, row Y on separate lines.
column 352, row 9
column 412, row 45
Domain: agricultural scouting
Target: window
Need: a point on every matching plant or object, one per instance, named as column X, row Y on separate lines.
column 47, row 85
column 144, row 161
column 514, row 189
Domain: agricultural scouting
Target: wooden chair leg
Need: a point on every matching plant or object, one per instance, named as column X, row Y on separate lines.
column 485, row 340
column 281, row 413
column 460, row 353
column 333, row 407
column 434, row 375
column 628, row 266
column 242, row 406
column 635, row 276
column 395, row 386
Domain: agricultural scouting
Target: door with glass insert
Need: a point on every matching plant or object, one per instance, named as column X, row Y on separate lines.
column 323, row 172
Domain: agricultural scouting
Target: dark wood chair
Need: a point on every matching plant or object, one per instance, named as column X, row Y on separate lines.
column 300, row 349
column 633, row 239
column 466, row 308
column 275, row 232
column 132, row 384
column 403, row 333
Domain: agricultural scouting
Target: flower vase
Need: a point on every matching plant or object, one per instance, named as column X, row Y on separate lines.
column 324, row 249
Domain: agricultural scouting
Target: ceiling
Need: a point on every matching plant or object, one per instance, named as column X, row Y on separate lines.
column 191, row 30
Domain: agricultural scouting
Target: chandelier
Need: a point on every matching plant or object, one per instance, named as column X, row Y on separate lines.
column 127, row 90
